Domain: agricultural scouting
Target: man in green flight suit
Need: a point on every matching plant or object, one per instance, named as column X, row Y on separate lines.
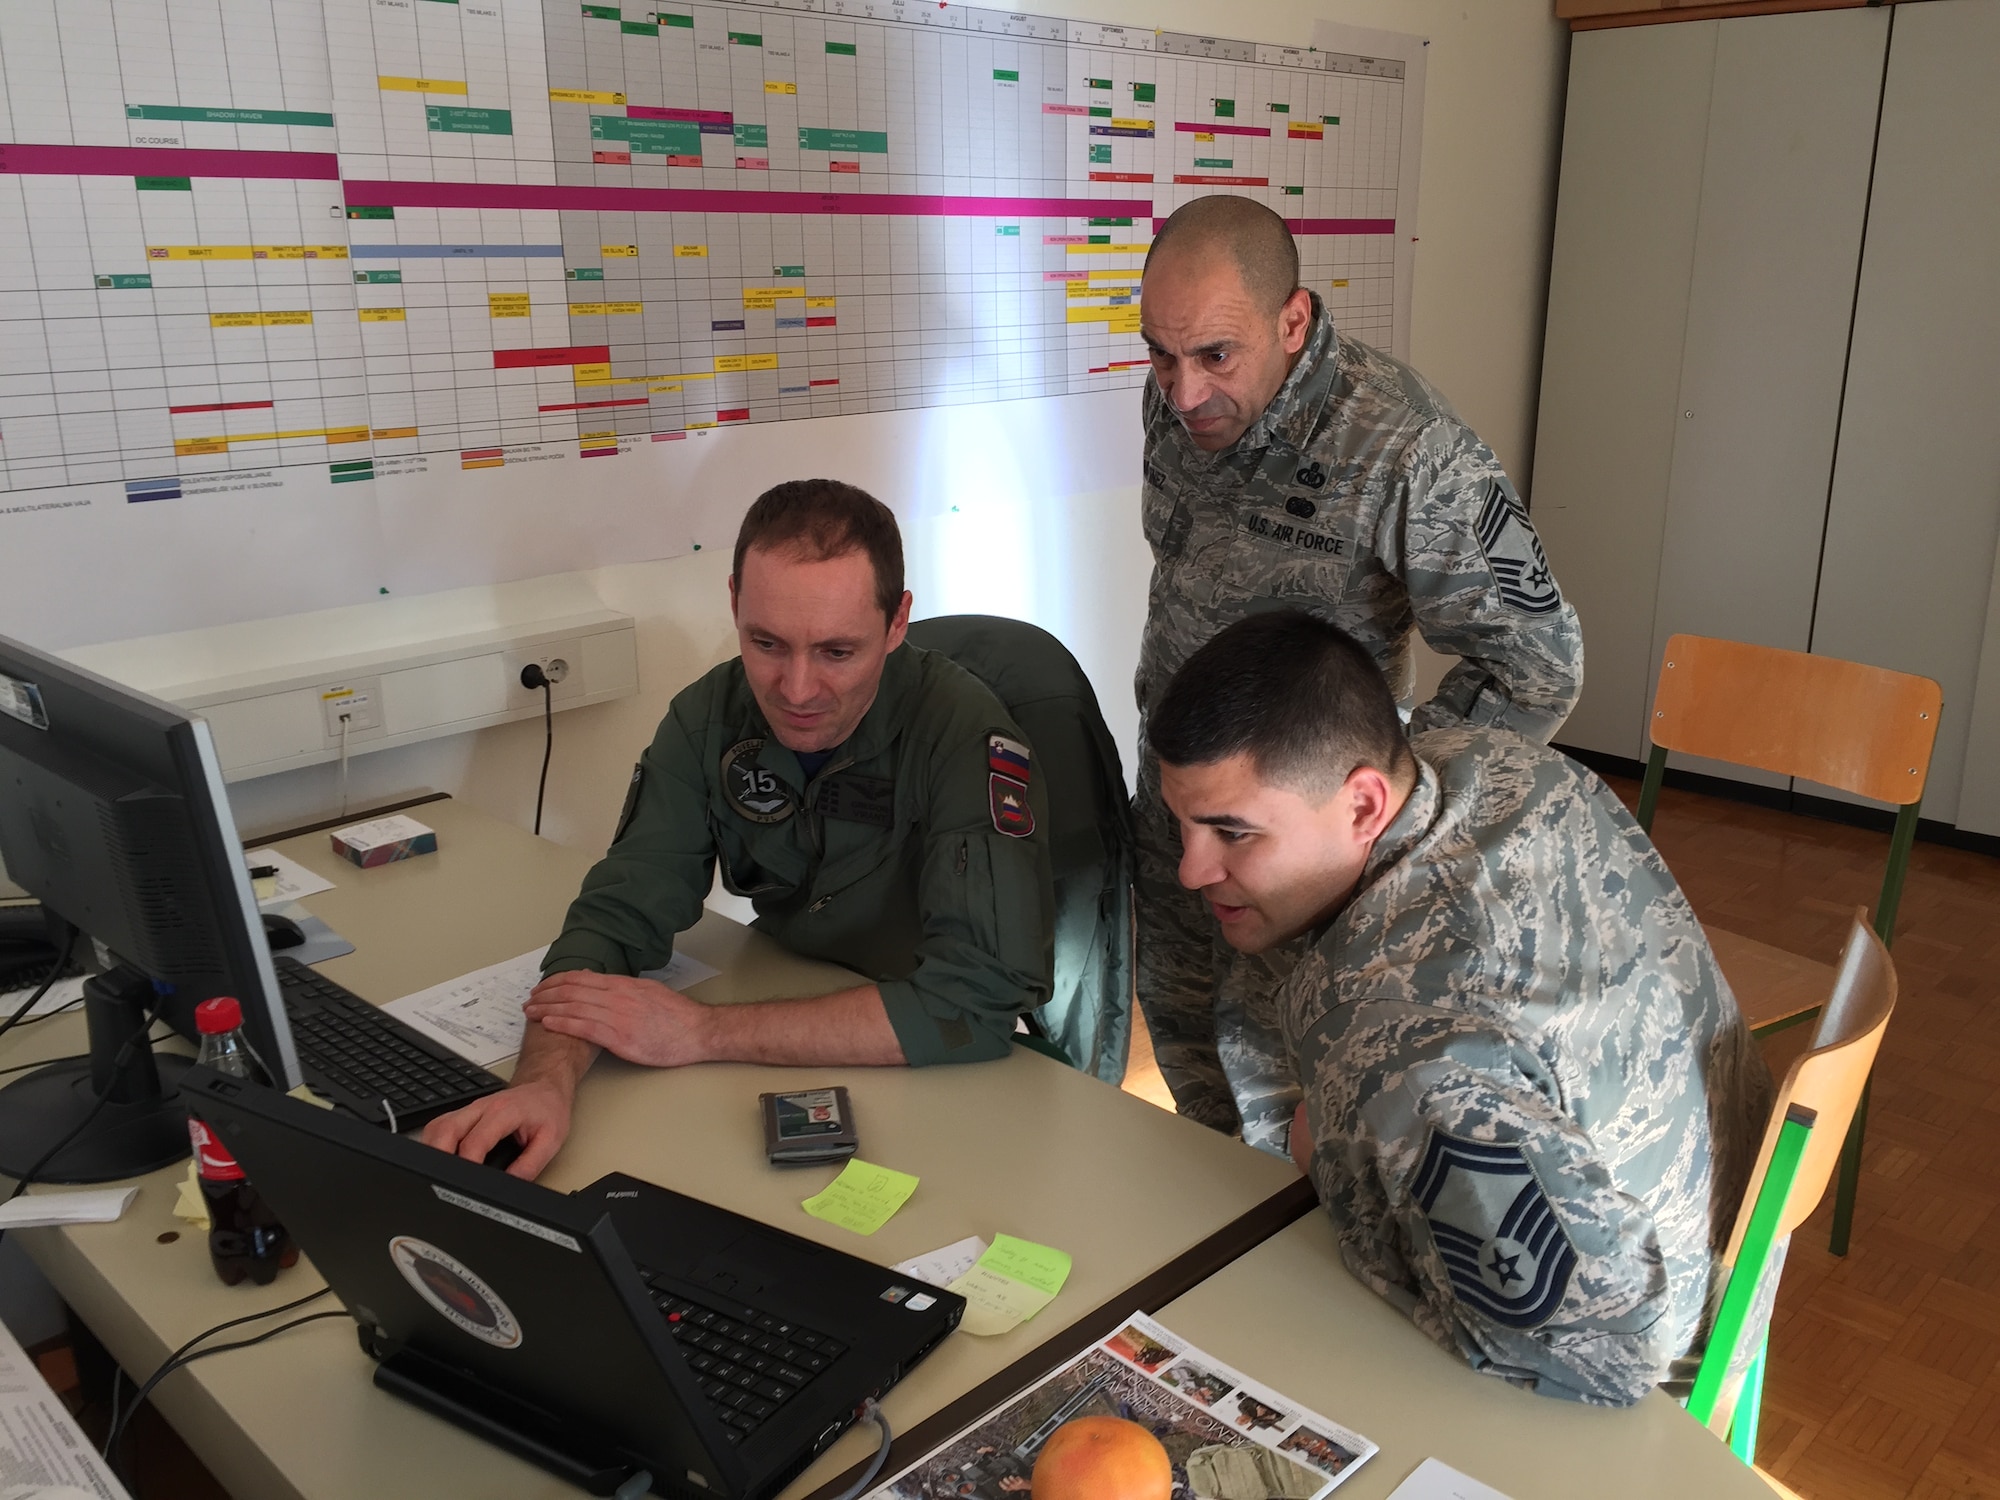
column 872, row 799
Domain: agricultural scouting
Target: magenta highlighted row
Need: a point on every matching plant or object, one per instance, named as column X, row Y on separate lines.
column 1326, row 226
column 163, row 161
column 1189, row 127
column 727, row 201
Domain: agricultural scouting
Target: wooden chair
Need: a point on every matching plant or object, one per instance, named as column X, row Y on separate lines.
column 1820, row 1096
column 1865, row 730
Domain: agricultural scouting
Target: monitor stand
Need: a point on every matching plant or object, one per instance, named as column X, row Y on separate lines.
column 141, row 1126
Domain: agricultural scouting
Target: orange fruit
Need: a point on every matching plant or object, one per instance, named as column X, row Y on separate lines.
column 1102, row 1458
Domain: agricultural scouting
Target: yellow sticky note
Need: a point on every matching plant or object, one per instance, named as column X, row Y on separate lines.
column 189, row 1204
column 1036, row 1266
column 863, row 1197
column 995, row 1303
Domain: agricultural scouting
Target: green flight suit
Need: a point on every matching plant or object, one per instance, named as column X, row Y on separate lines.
column 907, row 858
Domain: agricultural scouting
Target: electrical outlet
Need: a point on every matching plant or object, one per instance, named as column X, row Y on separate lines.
column 560, row 661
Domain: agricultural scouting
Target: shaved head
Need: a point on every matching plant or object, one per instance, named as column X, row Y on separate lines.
column 1247, row 232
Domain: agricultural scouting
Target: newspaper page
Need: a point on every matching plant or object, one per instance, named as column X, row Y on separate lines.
column 42, row 1450
column 1228, row 1437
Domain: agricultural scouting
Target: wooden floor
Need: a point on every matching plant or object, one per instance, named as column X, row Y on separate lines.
column 1885, row 1365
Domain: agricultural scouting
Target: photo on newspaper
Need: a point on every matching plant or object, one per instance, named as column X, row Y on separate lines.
column 1226, row 1436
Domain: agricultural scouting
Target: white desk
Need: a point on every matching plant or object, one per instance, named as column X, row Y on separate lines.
column 1146, row 1202
column 1289, row 1314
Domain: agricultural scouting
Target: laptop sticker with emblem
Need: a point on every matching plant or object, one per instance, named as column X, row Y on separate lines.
column 456, row 1291
column 753, row 790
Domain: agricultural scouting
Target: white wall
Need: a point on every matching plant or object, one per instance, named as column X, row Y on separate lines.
column 987, row 529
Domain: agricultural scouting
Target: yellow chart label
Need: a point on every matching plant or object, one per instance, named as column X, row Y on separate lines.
column 384, row 433
column 593, row 309
column 1121, row 319
column 1341, row 282
column 773, row 87
column 381, row 315
column 731, row 364
column 582, row 96
column 507, row 304
column 1204, row 135
column 1100, row 289
column 1131, row 124
column 1108, row 250
column 663, row 387
column 690, row 252
column 618, row 252
column 814, row 303
column 427, row 86
column 259, row 319
column 592, row 374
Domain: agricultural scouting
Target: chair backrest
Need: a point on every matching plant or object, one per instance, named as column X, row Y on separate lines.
column 1864, row 729
column 1809, row 1121
column 1091, row 838
column 1828, row 1078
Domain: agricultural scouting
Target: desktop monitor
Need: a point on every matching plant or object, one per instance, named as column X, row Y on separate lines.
column 113, row 814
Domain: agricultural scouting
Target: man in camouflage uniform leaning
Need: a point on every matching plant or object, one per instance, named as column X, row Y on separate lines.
column 1287, row 465
column 1530, row 1105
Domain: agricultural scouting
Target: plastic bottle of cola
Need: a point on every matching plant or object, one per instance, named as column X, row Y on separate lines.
column 245, row 1239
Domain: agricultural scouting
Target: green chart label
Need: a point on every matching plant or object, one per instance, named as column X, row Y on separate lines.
column 1013, row 231
column 1329, row 119
column 1225, row 109
column 639, row 28
column 745, row 39
column 1098, row 83
column 1280, row 109
column 1100, row 239
column 456, row 120
column 1006, row 75
column 1142, row 93
column 378, row 278
column 585, row 273
column 372, row 211
column 1293, row 192
column 840, row 49
column 1110, row 224
column 653, row 137
column 601, row 12
column 1100, row 111
column 873, row 141
column 685, row 23
column 1100, row 154
column 228, row 116
column 751, row 135
column 126, row 283
column 796, row 273
column 1213, row 161
column 354, row 472
column 163, row 184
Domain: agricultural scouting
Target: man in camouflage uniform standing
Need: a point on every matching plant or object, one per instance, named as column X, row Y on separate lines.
column 1530, row 1104
column 1287, row 465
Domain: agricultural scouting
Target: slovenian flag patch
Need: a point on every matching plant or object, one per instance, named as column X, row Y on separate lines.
column 1005, row 757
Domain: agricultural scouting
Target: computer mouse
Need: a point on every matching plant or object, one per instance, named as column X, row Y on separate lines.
column 282, row 932
column 504, row 1151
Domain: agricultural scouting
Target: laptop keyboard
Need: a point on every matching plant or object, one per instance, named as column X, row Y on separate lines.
column 359, row 1056
column 747, row 1368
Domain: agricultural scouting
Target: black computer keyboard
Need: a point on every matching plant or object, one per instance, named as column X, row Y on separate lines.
column 747, row 1368
column 361, row 1057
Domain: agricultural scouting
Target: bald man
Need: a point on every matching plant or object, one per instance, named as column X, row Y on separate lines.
column 1289, row 466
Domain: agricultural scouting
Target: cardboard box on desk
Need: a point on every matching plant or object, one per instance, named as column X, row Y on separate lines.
column 383, row 841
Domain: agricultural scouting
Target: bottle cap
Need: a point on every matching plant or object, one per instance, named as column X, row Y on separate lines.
column 213, row 1017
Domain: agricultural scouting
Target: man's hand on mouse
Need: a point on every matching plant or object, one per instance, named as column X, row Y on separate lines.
column 640, row 1020
column 535, row 1110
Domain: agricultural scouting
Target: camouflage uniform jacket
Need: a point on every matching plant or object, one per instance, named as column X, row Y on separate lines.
column 909, row 856
column 1532, row 1100
column 1359, row 494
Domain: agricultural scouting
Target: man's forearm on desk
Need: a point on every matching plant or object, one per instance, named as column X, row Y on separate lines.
column 847, row 1028
column 560, row 1061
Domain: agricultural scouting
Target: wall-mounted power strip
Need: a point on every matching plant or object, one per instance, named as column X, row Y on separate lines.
column 276, row 691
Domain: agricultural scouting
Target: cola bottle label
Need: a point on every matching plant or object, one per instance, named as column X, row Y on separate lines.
column 212, row 1158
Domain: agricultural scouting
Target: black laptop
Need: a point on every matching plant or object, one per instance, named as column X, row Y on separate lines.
column 620, row 1333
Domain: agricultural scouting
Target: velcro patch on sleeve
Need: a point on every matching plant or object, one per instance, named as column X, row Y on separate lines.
column 1496, row 1231
column 1005, row 757
column 1009, row 800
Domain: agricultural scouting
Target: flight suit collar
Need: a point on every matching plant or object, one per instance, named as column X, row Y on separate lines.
column 877, row 731
column 1294, row 411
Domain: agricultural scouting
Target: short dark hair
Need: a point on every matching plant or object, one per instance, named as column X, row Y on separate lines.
column 1301, row 697
column 825, row 518
column 1257, row 239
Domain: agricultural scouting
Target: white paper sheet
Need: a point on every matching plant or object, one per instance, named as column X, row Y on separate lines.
column 41, row 1447
column 1438, row 1481
column 478, row 1015
column 100, row 1206
column 943, row 1267
column 294, row 879
column 61, row 993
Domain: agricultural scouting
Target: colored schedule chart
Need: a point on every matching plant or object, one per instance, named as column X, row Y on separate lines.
column 239, row 234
